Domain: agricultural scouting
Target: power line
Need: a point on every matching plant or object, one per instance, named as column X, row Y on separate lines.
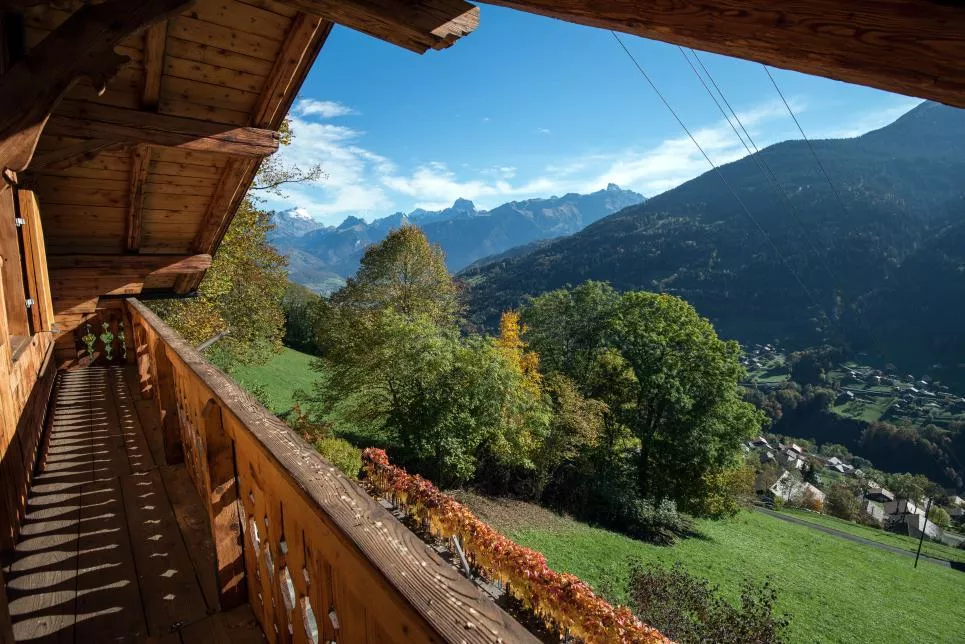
column 717, row 170
column 762, row 164
column 806, row 139
column 875, row 340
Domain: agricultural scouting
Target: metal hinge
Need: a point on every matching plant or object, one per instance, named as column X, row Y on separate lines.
column 19, row 221
column 30, row 302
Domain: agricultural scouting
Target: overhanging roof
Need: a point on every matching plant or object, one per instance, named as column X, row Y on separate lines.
column 913, row 47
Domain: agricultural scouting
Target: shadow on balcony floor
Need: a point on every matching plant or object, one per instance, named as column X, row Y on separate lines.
column 115, row 545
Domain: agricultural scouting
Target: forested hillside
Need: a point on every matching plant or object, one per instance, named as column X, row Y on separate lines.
column 876, row 260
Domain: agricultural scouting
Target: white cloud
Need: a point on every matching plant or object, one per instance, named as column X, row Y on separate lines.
column 543, row 130
column 363, row 183
column 349, row 187
column 321, row 109
column 434, row 183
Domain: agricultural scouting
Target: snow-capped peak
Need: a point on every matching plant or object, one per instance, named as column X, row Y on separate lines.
column 301, row 213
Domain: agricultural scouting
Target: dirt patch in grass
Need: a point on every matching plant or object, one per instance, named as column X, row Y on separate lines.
column 509, row 515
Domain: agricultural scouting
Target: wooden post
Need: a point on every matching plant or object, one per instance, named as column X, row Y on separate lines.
column 166, row 397
column 8, row 426
column 35, row 258
column 223, row 507
column 142, row 351
column 924, row 528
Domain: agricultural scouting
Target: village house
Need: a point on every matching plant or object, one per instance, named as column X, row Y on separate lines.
column 902, row 507
column 916, row 523
column 791, row 459
column 791, row 488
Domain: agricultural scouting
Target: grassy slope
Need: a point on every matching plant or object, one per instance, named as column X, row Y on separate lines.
column 835, row 590
column 905, row 542
column 281, row 376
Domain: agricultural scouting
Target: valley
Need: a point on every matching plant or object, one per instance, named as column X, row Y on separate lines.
column 843, row 381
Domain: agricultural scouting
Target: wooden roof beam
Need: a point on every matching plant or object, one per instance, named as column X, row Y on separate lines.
column 304, row 40
column 82, row 47
column 124, row 264
column 911, row 47
column 140, row 166
column 109, row 123
column 155, row 40
column 66, row 156
column 417, row 25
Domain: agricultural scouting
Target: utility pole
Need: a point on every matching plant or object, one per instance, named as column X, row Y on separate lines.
column 924, row 527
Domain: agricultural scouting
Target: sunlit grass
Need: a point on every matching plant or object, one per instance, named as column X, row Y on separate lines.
column 834, row 590
column 280, row 377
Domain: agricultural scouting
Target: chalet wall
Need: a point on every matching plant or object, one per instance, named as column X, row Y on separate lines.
column 11, row 274
column 27, row 370
column 29, row 386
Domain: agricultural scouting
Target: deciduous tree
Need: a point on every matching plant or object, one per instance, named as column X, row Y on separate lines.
column 406, row 274
column 689, row 413
column 241, row 294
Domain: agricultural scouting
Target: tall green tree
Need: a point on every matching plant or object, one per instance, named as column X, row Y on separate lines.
column 663, row 376
column 405, row 274
column 689, row 413
column 568, row 326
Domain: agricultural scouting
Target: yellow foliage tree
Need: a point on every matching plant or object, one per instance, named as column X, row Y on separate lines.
column 511, row 345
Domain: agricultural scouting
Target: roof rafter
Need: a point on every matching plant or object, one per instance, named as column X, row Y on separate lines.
column 417, row 25
column 140, row 166
column 155, row 39
column 110, row 123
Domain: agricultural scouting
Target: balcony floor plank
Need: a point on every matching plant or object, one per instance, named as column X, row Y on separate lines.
column 114, row 547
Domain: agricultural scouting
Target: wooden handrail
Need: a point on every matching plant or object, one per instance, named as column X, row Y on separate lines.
column 320, row 558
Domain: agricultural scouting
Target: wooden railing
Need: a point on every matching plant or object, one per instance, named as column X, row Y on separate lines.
column 317, row 558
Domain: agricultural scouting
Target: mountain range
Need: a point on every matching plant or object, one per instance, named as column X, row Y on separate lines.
column 871, row 254
column 321, row 257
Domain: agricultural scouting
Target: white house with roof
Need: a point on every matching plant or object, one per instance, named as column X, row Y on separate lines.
column 789, row 488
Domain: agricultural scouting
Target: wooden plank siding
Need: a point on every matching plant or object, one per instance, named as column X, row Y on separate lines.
column 314, row 543
column 26, row 376
column 215, row 62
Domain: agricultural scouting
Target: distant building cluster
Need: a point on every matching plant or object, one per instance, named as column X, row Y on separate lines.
column 878, row 505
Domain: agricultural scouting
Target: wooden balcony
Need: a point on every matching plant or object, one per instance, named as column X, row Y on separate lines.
column 169, row 505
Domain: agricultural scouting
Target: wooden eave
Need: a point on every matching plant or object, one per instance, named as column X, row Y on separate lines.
column 152, row 137
column 912, row 47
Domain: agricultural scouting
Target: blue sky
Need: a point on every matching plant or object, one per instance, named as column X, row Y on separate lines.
column 529, row 107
